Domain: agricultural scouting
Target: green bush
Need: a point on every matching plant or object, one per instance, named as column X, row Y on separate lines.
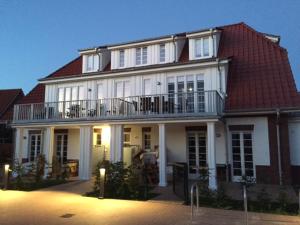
column 121, row 182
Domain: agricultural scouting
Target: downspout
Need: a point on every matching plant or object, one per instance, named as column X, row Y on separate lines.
column 278, row 146
column 227, row 151
column 220, row 76
column 99, row 56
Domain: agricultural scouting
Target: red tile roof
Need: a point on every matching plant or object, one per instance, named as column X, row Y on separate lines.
column 36, row 95
column 7, row 99
column 260, row 75
column 72, row 68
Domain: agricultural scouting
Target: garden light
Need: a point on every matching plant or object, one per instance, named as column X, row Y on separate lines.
column 102, row 180
column 6, row 171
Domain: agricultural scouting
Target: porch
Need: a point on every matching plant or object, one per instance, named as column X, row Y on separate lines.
column 159, row 144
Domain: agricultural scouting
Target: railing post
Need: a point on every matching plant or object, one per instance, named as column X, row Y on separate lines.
column 245, row 204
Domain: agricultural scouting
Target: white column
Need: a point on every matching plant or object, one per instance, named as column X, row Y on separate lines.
column 48, row 147
column 86, row 143
column 19, row 144
column 211, row 144
column 116, row 143
column 162, row 155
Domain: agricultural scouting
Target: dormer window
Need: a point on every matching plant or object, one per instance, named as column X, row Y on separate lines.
column 141, row 56
column 162, row 53
column 122, row 58
column 92, row 63
column 202, row 47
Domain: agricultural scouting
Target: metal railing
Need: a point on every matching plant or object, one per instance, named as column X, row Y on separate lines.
column 194, row 187
column 171, row 104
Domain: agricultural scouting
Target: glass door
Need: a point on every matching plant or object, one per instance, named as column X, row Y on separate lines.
column 197, row 153
column 34, row 146
column 242, row 155
column 61, row 147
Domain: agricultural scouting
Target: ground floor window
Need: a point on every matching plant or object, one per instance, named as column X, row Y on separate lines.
column 242, row 154
column 147, row 138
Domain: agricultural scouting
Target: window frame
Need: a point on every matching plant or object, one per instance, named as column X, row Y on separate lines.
column 122, row 58
column 141, row 56
column 162, row 51
column 199, row 45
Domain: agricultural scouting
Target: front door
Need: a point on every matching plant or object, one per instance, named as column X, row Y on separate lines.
column 35, row 143
column 197, row 153
column 61, row 147
column 242, row 155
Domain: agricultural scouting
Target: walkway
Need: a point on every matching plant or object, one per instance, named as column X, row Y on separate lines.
column 56, row 206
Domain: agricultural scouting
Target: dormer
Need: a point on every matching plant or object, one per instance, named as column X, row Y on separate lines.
column 95, row 59
column 146, row 52
column 203, row 44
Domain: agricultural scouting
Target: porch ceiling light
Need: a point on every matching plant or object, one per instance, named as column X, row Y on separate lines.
column 102, row 180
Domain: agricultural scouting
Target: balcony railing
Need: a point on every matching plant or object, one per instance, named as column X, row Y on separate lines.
column 203, row 103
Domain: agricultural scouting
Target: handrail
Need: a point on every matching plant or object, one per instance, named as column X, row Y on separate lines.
column 194, row 186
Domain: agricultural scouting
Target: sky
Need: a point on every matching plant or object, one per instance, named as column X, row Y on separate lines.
column 38, row 36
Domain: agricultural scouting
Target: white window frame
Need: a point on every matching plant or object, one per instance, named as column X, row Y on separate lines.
column 91, row 63
column 141, row 56
column 199, row 43
column 122, row 58
column 162, row 53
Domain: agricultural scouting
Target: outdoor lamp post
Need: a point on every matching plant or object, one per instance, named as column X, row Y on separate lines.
column 6, row 171
column 102, row 180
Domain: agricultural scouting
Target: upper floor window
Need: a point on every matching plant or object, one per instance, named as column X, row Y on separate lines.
column 92, row 63
column 202, row 47
column 141, row 56
column 122, row 58
column 162, row 53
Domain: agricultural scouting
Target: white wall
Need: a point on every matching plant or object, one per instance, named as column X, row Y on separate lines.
column 211, row 76
column 294, row 139
column 152, row 55
column 73, row 144
column 261, row 152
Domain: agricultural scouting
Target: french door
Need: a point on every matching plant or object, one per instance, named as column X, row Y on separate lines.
column 35, row 143
column 61, row 147
column 197, row 152
column 242, row 155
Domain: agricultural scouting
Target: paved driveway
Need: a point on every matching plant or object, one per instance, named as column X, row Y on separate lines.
column 55, row 206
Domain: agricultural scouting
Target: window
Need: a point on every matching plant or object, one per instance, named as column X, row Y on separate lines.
column 141, row 56
column 126, row 139
column 121, row 59
column 147, row 87
column 202, row 47
column 122, row 89
column 162, row 53
column 100, row 91
column 98, row 139
column 147, row 140
column 69, row 96
column 92, row 62
column 61, row 148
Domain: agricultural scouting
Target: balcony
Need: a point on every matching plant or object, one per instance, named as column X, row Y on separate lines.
column 171, row 105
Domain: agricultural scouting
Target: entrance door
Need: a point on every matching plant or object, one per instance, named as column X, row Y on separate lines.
column 242, row 155
column 61, row 141
column 197, row 153
column 35, row 146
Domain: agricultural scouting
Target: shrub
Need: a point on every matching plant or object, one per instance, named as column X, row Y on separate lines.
column 120, row 181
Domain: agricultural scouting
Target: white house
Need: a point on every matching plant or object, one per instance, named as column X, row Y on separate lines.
column 220, row 98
